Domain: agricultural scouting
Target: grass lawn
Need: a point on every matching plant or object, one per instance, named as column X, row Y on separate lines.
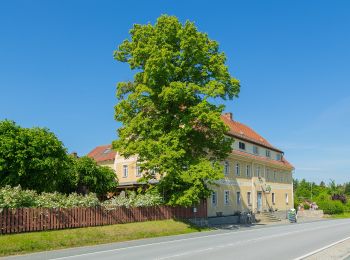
column 343, row 215
column 49, row 240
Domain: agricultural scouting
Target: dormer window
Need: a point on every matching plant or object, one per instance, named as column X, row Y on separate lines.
column 108, row 150
column 268, row 153
column 241, row 145
column 255, row 149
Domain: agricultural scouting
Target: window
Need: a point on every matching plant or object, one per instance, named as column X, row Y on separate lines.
column 238, row 198
column 273, row 198
column 138, row 171
column 248, row 171
column 267, row 174
column 214, row 198
column 125, row 171
column 255, row 149
column 278, row 156
column 274, row 176
column 241, row 145
column 226, row 168
column 257, row 171
column 287, row 199
column 249, row 198
column 268, row 153
column 226, row 197
column 108, row 150
column 237, row 169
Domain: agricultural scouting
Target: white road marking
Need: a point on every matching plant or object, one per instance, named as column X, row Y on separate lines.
column 321, row 249
column 186, row 239
column 241, row 242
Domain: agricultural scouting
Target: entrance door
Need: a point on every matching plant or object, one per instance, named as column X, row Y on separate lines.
column 259, row 201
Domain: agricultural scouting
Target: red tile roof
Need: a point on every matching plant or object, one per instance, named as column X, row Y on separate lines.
column 244, row 132
column 102, row 153
column 283, row 161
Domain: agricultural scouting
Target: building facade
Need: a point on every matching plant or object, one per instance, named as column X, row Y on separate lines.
column 257, row 177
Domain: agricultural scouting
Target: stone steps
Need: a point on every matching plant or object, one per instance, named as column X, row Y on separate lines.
column 266, row 217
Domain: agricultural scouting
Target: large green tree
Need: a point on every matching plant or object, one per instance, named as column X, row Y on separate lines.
column 33, row 158
column 168, row 114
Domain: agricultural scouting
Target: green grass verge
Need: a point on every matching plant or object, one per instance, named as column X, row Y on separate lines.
column 50, row 240
column 343, row 215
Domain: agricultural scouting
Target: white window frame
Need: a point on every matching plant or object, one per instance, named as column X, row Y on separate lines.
column 243, row 145
column 214, row 198
column 248, row 171
column 268, row 153
column 226, row 168
column 255, row 149
column 138, row 171
column 249, row 198
column 257, row 171
column 238, row 198
column 226, row 197
column 237, row 169
column 125, row 171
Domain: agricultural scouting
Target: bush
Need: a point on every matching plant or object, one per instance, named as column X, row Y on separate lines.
column 331, row 207
column 306, row 206
column 340, row 197
column 18, row 198
column 131, row 199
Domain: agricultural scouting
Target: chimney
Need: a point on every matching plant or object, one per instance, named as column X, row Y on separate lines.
column 229, row 115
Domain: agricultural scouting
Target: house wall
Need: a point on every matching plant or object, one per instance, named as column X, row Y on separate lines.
column 118, row 167
column 233, row 182
column 109, row 164
column 262, row 174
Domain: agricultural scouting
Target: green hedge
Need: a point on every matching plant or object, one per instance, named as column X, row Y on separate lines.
column 331, row 207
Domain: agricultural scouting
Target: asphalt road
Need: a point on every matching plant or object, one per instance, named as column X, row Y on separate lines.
column 270, row 242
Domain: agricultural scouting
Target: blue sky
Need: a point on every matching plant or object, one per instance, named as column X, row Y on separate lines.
column 292, row 58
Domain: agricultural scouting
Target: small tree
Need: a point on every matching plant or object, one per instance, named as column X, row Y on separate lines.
column 94, row 178
column 169, row 119
column 33, row 158
column 347, row 188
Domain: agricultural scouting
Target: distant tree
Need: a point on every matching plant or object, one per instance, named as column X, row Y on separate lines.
column 169, row 119
column 322, row 184
column 303, row 190
column 295, row 184
column 32, row 157
column 333, row 188
column 94, row 178
column 347, row 188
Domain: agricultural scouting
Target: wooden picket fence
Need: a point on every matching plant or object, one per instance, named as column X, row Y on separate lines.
column 38, row 219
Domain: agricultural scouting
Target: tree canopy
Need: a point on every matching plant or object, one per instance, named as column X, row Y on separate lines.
column 35, row 159
column 169, row 118
column 32, row 157
column 94, row 178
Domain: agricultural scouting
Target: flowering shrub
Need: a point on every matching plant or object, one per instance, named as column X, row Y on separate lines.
column 131, row 199
column 18, row 198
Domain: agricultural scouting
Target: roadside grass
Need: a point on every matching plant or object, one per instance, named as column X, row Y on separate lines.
column 343, row 215
column 59, row 239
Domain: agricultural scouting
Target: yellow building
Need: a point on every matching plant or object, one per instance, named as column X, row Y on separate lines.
column 257, row 175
